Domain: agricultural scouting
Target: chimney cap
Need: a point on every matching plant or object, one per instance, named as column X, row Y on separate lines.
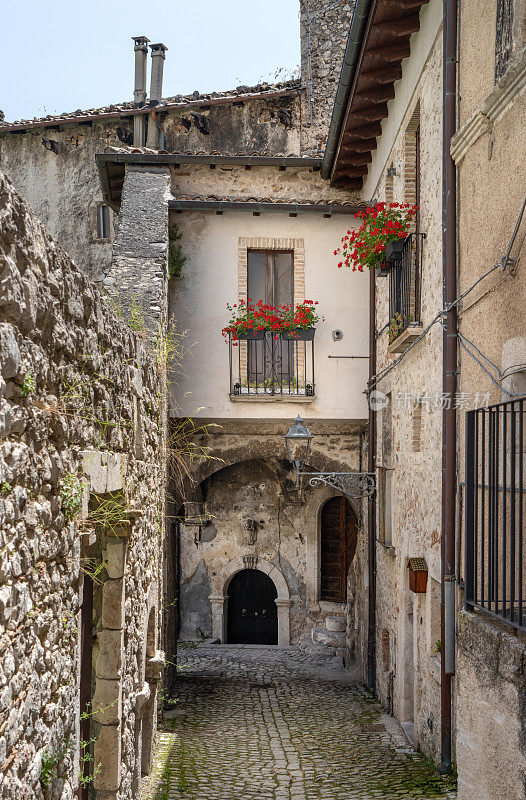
column 158, row 48
column 141, row 42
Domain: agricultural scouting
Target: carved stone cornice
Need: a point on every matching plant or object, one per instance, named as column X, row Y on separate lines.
column 493, row 106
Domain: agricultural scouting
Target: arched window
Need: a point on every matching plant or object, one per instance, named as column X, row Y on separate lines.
column 339, row 533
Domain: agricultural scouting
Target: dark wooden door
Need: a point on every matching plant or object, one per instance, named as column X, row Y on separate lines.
column 252, row 612
column 339, row 534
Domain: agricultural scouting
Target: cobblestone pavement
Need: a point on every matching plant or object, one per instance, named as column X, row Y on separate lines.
column 268, row 723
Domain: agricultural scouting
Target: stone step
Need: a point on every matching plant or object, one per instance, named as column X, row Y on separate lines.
column 336, row 623
column 329, row 638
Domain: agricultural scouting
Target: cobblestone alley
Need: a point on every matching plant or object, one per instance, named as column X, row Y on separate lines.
column 273, row 723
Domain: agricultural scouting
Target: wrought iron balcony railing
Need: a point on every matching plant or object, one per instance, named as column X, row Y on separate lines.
column 272, row 365
column 405, row 283
column 495, row 550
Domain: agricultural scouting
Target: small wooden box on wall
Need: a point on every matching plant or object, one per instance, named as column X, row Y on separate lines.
column 417, row 574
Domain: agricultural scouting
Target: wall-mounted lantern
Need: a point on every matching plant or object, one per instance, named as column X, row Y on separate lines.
column 354, row 485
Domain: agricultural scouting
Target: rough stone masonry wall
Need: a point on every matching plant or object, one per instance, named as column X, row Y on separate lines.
column 324, row 27
column 55, row 332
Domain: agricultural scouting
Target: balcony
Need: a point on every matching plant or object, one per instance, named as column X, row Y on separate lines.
column 272, row 367
column 405, row 285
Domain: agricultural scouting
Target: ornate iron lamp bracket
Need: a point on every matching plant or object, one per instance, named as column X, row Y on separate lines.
column 354, row 485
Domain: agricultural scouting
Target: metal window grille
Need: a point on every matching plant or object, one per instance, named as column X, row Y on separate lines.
column 405, row 284
column 495, row 568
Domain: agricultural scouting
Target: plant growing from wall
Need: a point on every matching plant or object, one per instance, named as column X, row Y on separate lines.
column 71, row 495
column 381, row 223
column 5, row 488
column 176, row 258
column 29, row 385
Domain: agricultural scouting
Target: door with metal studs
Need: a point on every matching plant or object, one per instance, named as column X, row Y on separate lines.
column 252, row 611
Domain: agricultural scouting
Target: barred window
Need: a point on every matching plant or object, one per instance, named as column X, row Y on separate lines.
column 503, row 37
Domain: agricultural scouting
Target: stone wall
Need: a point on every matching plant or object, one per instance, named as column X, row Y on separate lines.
column 409, row 434
column 324, row 28
column 490, row 711
column 81, row 421
column 246, row 507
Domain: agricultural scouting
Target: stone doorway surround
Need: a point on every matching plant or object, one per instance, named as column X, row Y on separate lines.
column 219, row 596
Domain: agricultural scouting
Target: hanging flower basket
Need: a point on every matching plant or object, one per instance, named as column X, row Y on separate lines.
column 382, row 225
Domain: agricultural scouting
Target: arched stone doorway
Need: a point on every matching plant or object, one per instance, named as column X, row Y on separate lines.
column 220, row 598
column 252, row 611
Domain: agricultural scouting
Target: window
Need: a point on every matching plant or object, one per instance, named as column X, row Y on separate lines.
column 103, row 221
column 339, row 533
column 270, row 278
column 385, row 527
column 503, row 37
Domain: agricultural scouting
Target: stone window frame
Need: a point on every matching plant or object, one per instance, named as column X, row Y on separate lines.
column 93, row 222
column 297, row 248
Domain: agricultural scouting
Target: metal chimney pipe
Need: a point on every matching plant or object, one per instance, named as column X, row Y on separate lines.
column 156, row 90
column 139, row 91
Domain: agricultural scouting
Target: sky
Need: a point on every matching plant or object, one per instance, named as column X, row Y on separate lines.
column 62, row 56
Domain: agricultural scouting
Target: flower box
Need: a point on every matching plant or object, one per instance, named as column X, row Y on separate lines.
column 299, row 334
column 251, row 334
column 393, row 251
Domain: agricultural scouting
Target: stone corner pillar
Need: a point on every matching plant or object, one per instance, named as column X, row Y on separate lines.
column 219, row 610
column 283, row 621
column 139, row 266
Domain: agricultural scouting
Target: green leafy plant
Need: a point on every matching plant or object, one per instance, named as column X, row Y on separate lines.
column 438, row 646
column 176, row 258
column 71, row 495
column 5, row 488
column 49, row 763
column 29, row 385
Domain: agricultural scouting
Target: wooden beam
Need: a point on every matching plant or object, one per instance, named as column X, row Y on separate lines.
column 348, row 183
column 350, row 172
column 379, row 77
column 403, row 26
column 395, row 52
column 362, row 132
column 355, row 159
column 359, row 146
column 408, row 5
column 370, row 113
column 377, row 95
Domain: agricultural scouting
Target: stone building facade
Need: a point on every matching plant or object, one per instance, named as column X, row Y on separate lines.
column 489, row 682
column 82, row 481
column 490, row 154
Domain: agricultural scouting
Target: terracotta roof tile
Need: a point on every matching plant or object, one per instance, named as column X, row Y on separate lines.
column 117, row 109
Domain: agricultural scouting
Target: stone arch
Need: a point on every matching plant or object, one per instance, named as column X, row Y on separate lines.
column 219, row 596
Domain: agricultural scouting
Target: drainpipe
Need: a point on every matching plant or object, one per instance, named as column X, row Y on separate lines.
column 139, row 92
column 450, row 366
column 371, row 503
column 156, row 91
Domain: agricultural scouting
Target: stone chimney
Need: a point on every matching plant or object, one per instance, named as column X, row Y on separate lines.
column 156, row 91
column 139, row 91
